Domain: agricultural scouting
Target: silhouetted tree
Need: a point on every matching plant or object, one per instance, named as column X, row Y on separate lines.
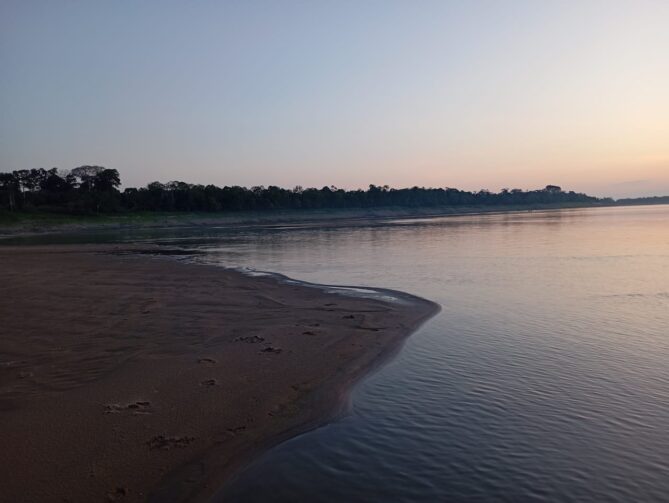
column 9, row 188
column 106, row 180
column 85, row 176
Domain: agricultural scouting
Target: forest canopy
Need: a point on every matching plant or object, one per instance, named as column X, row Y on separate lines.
column 95, row 189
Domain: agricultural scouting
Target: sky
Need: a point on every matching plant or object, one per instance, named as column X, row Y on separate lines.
column 467, row 94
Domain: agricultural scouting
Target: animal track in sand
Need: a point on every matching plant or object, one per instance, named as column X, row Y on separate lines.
column 140, row 407
column 163, row 442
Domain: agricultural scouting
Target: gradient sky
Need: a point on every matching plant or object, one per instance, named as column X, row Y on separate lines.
column 467, row 94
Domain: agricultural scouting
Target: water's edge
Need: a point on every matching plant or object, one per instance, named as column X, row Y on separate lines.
column 332, row 400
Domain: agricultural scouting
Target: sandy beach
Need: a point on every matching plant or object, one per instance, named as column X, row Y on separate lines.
column 126, row 377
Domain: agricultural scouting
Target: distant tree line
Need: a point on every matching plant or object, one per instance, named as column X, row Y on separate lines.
column 94, row 189
column 643, row 200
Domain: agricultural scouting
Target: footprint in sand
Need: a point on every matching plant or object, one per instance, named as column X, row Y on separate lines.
column 305, row 386
column 308, row 332
column 139, row 407
column 148, row 306
column 283, row 410
column 348, row 317
column 209, row 382
column 271, row 349
column 163, row 442
column 118, row 494
column 209, row 361
column 250, row 339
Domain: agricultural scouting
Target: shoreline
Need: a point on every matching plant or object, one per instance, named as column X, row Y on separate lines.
column 52, row 224
column 170, row 377
column 334, row 400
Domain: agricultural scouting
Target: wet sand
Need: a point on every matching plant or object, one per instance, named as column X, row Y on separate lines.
column 125, row 377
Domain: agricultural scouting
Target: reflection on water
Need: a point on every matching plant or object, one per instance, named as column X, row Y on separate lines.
column 544, row 377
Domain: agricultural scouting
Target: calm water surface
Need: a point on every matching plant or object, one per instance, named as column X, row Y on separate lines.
column 544, row 377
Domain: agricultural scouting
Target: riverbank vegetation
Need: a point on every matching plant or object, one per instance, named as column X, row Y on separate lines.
column 95, row 190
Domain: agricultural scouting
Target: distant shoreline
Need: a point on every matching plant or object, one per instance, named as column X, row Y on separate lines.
column 26, row 224
column 132, row 377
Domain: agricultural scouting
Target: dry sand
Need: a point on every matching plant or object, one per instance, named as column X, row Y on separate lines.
column 132, row 378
